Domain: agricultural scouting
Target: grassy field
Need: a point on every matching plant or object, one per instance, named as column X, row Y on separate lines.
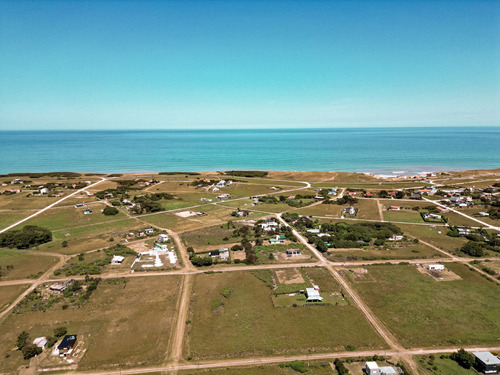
column 441, row 366
column 213, row 235
column 22, row 202
column 459, row 220
column 69, row 217
column 90, row 237
column 396, row 251
column 8, row 217
column 114, row 329
column 9, row 293
column 423, row 312
column 26, row 264
column 407, row 216
column 333, row 210
column 431, row 235
column 248, row 324
column 367, row 209
column 312, row 368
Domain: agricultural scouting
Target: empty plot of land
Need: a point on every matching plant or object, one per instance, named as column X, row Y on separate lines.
column 9, row 293
column 246, row 323
column 423, row 312
column 435, row 235
column 16, row 264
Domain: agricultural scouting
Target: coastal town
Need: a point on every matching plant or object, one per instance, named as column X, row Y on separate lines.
column 250, row 272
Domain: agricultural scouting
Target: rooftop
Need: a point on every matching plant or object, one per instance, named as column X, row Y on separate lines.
column 487, row 358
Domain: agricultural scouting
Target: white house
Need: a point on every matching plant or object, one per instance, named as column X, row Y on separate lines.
column 312, row 295
column 435, row 267
column 372, row 368
column 44, row 191
column 349, row 211
column 41, row 342
column 163, row 237
column 396, row 237
column 483, row 214
column 117, row 259
column 432, row 216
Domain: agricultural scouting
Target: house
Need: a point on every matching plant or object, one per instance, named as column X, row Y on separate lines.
column 269, row 225
column 67, row 345
column 487, row 363
column 41, row 342
column 79, row 205
column 163, row 237
column 396, row 237
column 372, row 368
column 222, row 254
column 58, row 287
column 429, row 216
column 223, row 196
column 463, row 231
column 416, row 196
column 313, row 231
column 87, row 212
column 277, row 239
column 44, row 191
column 221, row 184
column 149, row 231
column 312, row 295
column 206, row 200
column 395, row 208
column 483, row 214
column 349, row 211
column 435, row 267
column 293, row 252
column 117, row 259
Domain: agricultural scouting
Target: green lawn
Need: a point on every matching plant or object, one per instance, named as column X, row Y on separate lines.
column 441, row 366
column 248, row 324
column 431, row 235
column 423, row 312
column 275, row 369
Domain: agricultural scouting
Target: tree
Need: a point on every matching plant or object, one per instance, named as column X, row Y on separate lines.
column 474, row 249
column 321, row 246
column 463, row 358
column 339, row 366
column 60, row 331
column 30, row 350
column 22, row 340
column 383, row 194
column 109, row 211
column 28, row 236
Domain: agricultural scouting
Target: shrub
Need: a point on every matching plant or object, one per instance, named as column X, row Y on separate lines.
column 60, row 331
column 463, row 358
column 109, row 211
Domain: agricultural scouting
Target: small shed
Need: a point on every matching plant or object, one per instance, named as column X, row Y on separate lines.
column 117, row 259
column 435, row 267
column 163, row 237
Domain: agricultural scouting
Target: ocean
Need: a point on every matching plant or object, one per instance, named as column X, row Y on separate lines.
column 376, row 150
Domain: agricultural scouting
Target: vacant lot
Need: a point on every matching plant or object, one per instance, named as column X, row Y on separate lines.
column 214, row 235
column 117, row 330
column 434, row 235
column 394, row 251
column 312, row 368
column 8, row 217
column 90, row 237
column 407, row 216
column 69, row 217
column 246, row 323
column 423, row 312
column 459, row 220
column 24, row 264
column 9, row 293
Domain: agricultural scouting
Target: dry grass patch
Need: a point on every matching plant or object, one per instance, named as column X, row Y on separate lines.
column 9, row 293
column 248, row 324
column 18, row 264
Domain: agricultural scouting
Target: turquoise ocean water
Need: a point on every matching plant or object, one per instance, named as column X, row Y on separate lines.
column 381, row 150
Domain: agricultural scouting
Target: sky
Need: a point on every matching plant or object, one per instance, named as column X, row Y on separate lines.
column 248, row 64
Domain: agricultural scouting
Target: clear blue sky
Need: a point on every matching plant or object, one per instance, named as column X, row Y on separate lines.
column 243, row 64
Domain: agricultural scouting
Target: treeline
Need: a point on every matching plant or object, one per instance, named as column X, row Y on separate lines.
column 479, row 242
column 38, row 175
column 28, row 236
column 246, row 173
column 174, row 173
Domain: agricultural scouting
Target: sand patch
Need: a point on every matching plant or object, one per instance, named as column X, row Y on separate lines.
column 290, row 276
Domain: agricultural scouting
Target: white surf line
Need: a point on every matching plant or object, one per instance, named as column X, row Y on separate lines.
column 489, row 226
column 51, row 205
